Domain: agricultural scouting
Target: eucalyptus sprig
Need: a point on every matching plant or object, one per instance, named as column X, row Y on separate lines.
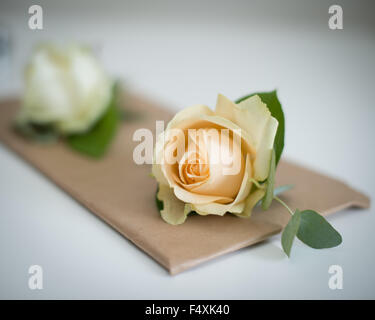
column 308, row 225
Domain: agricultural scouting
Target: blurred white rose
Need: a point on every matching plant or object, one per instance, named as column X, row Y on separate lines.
column 65, row 87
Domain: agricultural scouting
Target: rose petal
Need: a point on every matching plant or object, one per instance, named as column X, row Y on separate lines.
column 217, row 208
column 263, row 157
column 238, row 205
column 173, row 209
column 189, row 113
column 66, row 86
column 195, row 198
column 163, row 171
column 236, row 129
column 253, row 116
column 158, row 174
column 157, row 171
column 219, row 181
column 246, row 182
column 250, row 203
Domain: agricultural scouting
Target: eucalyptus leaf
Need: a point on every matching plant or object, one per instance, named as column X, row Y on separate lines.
column 273, row 104
column 95, row 142
column 268, row 197
column 279, row 190
column 290, row 232
column 316, row 232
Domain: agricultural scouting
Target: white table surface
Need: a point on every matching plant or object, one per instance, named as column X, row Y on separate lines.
column 183, row 54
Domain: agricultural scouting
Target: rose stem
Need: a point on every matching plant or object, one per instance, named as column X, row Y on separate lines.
column 283, row 203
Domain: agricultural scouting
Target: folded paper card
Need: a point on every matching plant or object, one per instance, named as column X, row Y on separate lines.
column 123, row 194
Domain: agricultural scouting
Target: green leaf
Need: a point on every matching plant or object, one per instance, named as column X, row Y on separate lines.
column 290, row 232
column 159, row 203
column 268, row 197
column 41, row 133
column 279, row 190
column 95, row 142
column 316, row 232
column 273, row 104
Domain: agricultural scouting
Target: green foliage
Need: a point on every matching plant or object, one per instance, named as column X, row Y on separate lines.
column 268, row 197
column 274, row 105
column 316, row 232
column 290, row 232
column 159, row 203
column 282, row 189
column 312, row 229
column 96, row 141
column 37, row 132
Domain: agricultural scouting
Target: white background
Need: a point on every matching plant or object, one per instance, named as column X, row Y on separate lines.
column 183, row 53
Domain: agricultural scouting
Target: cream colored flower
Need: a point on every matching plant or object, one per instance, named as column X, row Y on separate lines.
column 196, row 180
column 66, row 87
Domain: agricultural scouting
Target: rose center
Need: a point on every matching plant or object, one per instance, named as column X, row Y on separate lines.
column 204, row 167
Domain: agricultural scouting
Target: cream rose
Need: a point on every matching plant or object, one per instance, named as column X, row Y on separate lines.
column 197, row 179
column 65, row 87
